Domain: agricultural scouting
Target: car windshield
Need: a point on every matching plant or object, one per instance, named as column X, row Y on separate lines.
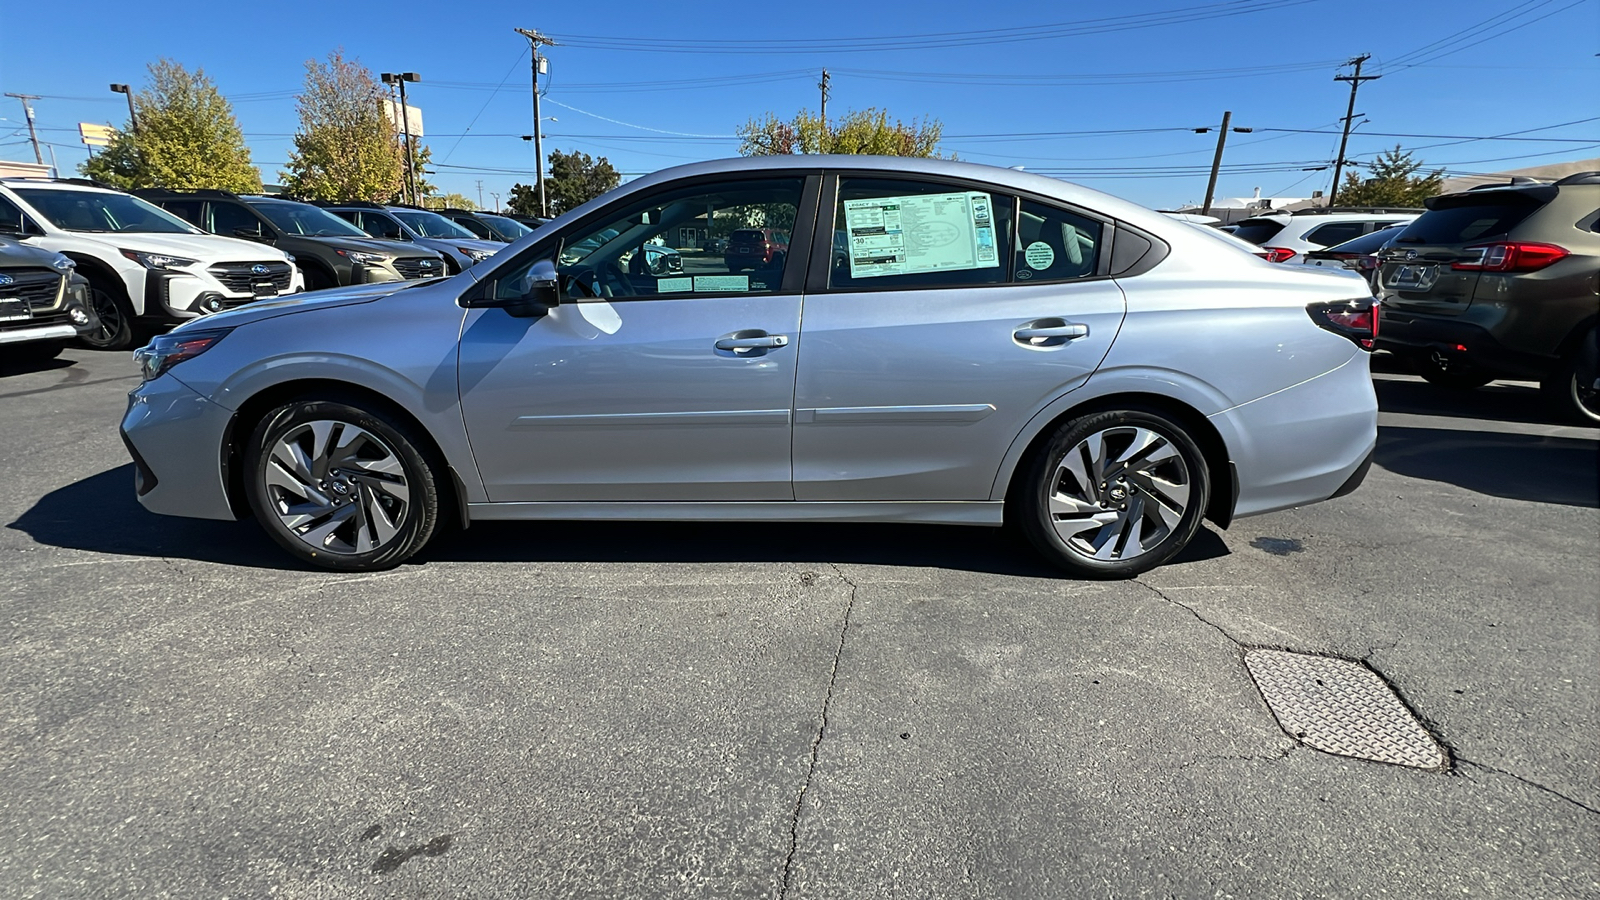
column 101, row 211
column 433, row 225
column 510, row 229
column 1367, row 243
column 298, row 218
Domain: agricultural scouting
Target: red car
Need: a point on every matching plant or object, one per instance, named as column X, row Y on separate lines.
column 755, row 248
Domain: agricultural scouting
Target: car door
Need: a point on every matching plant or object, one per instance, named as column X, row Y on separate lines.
column 938, row 319
column 642, row 388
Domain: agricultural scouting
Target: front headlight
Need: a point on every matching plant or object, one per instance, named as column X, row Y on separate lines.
column 362, row 257
column 167, row 350
column 62, row 264
column 159, row 260
column 476, row 256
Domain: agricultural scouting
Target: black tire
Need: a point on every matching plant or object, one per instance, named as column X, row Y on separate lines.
column 369, row 511
column 111, row 305
column 1171, row 466
column 1457, row 377
column 1569, row 391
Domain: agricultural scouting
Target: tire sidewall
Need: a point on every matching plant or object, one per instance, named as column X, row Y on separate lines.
column 422, row 512
column 1035, row 516
column 122, row 337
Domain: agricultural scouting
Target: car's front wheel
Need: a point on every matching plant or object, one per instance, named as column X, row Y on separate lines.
column 340, row 486
column 1114, row 493
column 115, row 331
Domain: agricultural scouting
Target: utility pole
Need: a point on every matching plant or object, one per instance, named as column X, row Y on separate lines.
column 27, row 112
column 1349, row 115
column 399, row 79
column 480, row 192
column 823, row 84
column 1216, row 161
column 535, row 41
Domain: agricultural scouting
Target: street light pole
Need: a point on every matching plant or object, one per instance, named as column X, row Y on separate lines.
column 133, row 117
column 1216, row 161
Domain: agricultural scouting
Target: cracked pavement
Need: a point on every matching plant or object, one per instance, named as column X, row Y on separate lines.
column 795, row 711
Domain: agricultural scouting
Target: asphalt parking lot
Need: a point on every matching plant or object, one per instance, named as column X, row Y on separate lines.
column 795, row 711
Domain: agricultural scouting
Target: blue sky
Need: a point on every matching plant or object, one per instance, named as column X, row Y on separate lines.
column 1103, row 95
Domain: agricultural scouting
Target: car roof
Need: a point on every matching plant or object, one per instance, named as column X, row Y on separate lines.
column 58, row 185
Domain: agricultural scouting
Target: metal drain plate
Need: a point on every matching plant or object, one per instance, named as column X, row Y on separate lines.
column 1340, row 706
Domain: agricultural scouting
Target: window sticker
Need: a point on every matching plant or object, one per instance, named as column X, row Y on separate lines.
column 674, row 285
column 1039, row 255
column 920, row 233
column 722, row 282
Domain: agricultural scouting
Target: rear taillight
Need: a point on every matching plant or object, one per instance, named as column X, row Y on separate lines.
column 1278, row 254
column 1355, row 319
column 1521, row 256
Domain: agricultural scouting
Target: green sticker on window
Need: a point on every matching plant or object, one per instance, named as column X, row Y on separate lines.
column 674, row 285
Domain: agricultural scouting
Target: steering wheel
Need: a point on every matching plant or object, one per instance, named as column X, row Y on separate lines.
column 603, row 281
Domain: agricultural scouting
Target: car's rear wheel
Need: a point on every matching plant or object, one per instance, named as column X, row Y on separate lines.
column 1455, row 376
column 1571, row 390
column 340, row 486
column 1114, row 493
column 115, row 331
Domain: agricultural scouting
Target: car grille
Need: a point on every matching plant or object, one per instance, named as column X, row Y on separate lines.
column 241, row 278
column 40, row 287
column 418, row 267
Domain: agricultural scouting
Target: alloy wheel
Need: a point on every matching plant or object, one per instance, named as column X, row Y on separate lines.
column 109, row 313
column 1119, row 493
column 337, row 487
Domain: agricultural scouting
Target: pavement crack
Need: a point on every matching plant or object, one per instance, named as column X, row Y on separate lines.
column 816, row 740
column 1533, row 784
column 1193, row 612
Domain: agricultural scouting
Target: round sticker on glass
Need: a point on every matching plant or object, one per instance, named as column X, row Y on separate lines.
column 1039, row 255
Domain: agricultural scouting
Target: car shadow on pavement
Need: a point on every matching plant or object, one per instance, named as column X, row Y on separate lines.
column 27, row 366
column 1497, row 402
column 101, row 515
column 1564, row 471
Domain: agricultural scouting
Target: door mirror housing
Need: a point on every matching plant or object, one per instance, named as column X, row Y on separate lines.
column 528, row 297
column 252, row 234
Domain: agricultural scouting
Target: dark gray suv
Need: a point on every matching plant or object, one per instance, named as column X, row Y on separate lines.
column 1502, row 281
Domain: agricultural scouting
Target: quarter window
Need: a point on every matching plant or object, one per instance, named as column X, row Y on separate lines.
column 1336, row 233
column 889, row 233
column 1054, row 244
column 229, row 220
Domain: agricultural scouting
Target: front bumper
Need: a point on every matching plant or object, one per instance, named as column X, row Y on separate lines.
column 175, row 437
column 171, row 297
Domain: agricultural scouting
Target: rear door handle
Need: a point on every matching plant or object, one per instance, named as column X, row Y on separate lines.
column 764, row 342
column 1054, row 331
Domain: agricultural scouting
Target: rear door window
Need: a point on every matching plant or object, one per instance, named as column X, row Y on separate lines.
column 1477, row 219
column 1258, row 231
column 187, row 210
column 1054, row 244
column 891, row 234
column 229, row 220
column 1335, row 233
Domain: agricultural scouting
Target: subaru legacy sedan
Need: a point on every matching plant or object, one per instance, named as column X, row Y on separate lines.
column 941, row 342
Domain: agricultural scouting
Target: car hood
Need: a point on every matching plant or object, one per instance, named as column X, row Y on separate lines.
column 467, row 243
column 208, row 248
column 340, row 242
column 302, row 303
column 16, row 253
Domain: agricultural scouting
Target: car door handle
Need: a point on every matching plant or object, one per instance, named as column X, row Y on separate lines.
column 1073, row 330
column 764, row 342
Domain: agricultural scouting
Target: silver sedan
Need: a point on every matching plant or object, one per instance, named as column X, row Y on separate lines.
column 937, row 342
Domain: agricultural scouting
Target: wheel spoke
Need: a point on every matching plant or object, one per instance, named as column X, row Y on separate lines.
column 318, row 536
column 1063, row 506
column 382, row 525
column 280, row 476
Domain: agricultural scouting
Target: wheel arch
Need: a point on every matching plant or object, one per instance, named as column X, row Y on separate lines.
column 250, row 413
column 95, row 268
column 1224, row 480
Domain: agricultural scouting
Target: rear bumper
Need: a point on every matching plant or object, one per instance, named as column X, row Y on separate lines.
column 1460, row 343
column 175, row 438
column 1309, row 443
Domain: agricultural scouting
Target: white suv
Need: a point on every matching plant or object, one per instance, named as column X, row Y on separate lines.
column 142, row 263
column 1286, row 236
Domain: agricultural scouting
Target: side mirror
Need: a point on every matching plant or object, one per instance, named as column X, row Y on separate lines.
column 537, row 293
column 251, row 234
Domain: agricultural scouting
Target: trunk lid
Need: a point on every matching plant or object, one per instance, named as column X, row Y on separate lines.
column 1417, row 271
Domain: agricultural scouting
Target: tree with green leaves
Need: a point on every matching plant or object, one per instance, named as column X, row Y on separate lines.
column 574, row 180
column 866, row 131
column 448, row 201
column 187, row 139
column 346, row 148
column 1391, row 180
column 523, row 200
